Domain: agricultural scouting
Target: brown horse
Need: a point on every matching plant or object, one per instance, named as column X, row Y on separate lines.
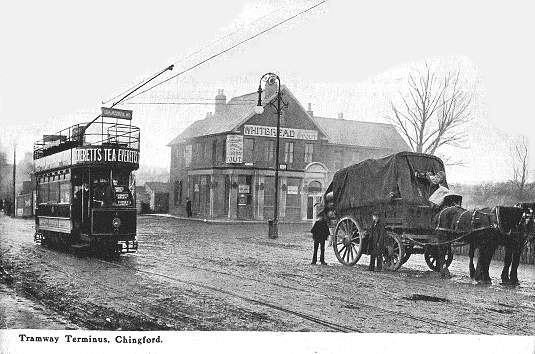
column 510, row 227
column 474, row 227
column 517, row 231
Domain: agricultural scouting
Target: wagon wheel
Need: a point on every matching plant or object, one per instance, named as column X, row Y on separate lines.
column 347, row 241
column 431, row 258
column 406, row 255
column 393, row 252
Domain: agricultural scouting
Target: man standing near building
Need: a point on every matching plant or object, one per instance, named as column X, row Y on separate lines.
column 188, row 207
column 320, row 231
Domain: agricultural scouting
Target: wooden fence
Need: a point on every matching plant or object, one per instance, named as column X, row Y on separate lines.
column 527, row 256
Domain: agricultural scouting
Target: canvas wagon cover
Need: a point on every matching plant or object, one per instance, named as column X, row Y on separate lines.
column 373, row 181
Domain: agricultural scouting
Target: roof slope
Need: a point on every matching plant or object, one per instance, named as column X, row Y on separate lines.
column 338, row 131
column 358, row 133
column 232, row 114
column 158, row 187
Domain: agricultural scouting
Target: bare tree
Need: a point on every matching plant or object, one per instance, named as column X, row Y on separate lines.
column 519, row 159
column 431, row 114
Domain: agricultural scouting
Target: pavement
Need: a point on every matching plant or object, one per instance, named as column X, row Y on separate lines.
column 230, row 221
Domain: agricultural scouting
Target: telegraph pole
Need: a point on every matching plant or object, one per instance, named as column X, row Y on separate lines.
column 14, row 173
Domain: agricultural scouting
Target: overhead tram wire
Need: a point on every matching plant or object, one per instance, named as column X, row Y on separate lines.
column 190, row 103
column 195, row 53
column 170, row 67
column 232, row 47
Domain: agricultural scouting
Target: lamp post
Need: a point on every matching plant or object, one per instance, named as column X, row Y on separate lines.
column 259, row 109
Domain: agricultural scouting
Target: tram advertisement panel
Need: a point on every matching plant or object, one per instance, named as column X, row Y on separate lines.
column 88, row 155
column 91, row 155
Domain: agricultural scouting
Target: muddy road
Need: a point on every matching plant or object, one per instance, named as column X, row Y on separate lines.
column 189, row 275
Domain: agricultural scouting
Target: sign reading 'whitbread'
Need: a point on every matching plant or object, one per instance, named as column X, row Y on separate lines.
column 288, row 133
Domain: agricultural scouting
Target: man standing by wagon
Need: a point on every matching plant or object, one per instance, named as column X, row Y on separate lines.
column 320, row 231
column 377, row 243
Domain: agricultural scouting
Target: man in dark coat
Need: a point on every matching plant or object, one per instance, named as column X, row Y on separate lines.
column 320, row 231
column 188, row 207
column 377, row 244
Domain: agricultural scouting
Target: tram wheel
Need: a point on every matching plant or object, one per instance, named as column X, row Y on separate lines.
column 431, row 258
column 347, row 241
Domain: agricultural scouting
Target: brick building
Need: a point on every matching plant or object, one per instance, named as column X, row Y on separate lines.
column 224, row 163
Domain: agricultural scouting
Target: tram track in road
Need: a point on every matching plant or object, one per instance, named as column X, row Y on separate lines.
column 432, row 322
column 311, row 318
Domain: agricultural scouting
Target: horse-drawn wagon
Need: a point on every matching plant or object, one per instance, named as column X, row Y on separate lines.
column 395, row 190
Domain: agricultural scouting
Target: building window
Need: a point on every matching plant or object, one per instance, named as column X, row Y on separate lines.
column 269, row 150
column 207, row 151
column 214, row 150
column 288, row 152
column 248, row 150
column 338, row 163
column 187, row 155
column 309, row 151
column 223, row 150
column 178, row 192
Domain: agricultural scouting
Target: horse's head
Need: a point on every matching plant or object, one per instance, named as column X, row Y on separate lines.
column 527, row 222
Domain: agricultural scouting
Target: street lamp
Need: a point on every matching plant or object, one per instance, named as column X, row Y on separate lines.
column 270, row 78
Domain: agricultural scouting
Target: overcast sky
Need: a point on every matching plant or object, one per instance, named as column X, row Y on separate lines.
column 60, row 59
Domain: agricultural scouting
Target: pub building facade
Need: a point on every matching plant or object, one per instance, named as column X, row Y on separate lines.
column 225, row 163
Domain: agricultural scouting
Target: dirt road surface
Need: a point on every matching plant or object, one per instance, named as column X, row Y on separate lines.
column 189, row 275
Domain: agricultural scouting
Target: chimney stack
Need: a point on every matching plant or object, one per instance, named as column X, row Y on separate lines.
column 220, row 102
column 309, row 110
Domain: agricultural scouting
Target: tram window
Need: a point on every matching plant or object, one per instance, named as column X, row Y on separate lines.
column 53, row 192
column 65, row 192
column 43, row 193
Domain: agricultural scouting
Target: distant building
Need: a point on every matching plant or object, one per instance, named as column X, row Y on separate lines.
column 224, row 163
column 158, row 193
column 25, row 200
column 142, row 200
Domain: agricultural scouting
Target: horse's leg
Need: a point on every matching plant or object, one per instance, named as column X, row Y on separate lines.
column 507, row 262
column 482, row 264
column 479, row 264
column 517, row 251
column 444, row 271
column 471, row 267
column 488, row 259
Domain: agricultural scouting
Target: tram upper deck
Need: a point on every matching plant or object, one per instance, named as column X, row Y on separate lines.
column 103, row 142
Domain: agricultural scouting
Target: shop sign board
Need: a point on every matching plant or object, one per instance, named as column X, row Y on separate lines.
column 292, row 190
column 234, row 151
column 243, row 188
column 287, row 133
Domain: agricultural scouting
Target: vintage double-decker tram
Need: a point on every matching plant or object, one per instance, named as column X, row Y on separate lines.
column 85, row 185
